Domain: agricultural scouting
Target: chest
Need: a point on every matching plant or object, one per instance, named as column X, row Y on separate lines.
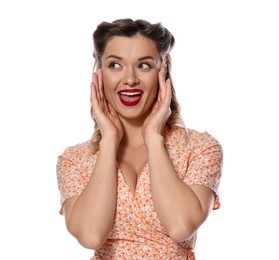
column 135, row 207
column 131, row 165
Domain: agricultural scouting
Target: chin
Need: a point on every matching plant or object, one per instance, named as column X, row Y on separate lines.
column 133, row 115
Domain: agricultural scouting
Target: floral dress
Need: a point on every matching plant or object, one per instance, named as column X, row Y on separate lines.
column 137, row 232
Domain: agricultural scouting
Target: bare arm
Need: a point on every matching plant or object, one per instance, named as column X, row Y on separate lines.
column 90, row 216
column 180, row 208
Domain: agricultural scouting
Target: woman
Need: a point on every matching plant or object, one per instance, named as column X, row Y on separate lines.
column 143, row 185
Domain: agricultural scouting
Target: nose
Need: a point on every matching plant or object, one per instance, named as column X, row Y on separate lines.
column 130, row 77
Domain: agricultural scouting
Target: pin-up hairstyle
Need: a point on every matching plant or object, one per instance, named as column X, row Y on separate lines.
column 164, row 42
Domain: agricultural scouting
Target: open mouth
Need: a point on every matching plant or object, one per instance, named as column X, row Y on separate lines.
column 130, row 97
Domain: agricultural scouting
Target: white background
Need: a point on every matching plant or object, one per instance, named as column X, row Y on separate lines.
column 226, row 66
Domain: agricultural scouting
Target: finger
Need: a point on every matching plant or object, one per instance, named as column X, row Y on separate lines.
column 105, row 107
column 111, row 110
column 91, row 96
column 94, row 87
column 162, row 85
column 97, row 103
column 102, row 96
column 94, row 101
column 168, row 95
column 155, row 108
column 100, row 83
column 95, row 82
column 93, row 92
column 92, row 79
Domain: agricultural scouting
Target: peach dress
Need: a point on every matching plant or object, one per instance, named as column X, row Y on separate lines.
column 137, row 232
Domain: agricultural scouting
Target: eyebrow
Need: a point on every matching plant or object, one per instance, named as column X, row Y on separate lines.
column 146, row 58
column 139, row 59
column 114, row 57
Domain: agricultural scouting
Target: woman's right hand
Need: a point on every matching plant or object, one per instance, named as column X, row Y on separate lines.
column 103, row 112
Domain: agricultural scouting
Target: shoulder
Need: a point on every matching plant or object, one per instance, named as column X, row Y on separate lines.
column 203, row 144
column 189, row 142
column 79, row 149
column 74, row 167
column 201, row 140
column 190, row 137
column 178, row 135
column 79, row 153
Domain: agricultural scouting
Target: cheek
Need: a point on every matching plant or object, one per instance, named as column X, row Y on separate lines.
column 108, row 84
column 150, row 79
column 106, row 80
column 153, row 93
column 154, row 85
column 110, row 80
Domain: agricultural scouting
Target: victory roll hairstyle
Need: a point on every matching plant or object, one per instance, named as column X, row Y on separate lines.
column 164, row 42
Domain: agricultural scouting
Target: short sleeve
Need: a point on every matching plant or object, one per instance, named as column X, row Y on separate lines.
column 205, row 168
column 73, row 171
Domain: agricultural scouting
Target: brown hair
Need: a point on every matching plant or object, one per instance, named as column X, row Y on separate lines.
column 164, row 42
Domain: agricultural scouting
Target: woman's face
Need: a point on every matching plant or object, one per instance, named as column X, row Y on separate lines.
column 130, row 67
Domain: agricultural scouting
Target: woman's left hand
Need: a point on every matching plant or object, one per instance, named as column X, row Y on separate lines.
column 155, row 122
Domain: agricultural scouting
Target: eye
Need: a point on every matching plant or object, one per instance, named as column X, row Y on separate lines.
column 144, row 66
column 115, row 65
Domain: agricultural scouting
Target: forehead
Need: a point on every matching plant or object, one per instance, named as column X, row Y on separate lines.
column 136, row 45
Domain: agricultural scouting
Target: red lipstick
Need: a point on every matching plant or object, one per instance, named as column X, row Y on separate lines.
column 130, row 97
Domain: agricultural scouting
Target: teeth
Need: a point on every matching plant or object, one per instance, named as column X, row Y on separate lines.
column 130, row 93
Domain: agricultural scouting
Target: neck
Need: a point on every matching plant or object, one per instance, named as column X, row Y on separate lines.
column 132, row 133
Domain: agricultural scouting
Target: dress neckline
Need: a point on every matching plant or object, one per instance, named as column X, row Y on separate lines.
column 139, row 177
